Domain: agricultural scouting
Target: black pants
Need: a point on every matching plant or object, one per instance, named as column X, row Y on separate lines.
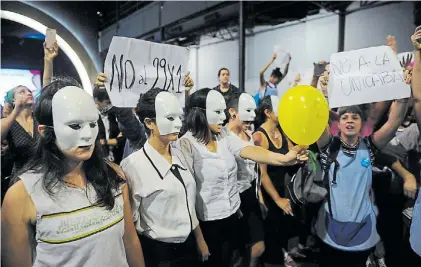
column 278, row 230
column 222, row 240
column 332, row 257
column 252, row 230
column 161, row 254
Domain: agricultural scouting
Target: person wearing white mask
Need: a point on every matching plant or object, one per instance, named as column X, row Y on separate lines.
column 241, row 112
column 68, row 199
column 210, row 151
column 163, row 189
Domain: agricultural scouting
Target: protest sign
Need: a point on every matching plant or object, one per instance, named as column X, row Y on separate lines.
column 365, row 76
column 135, row 66
column 282, row 57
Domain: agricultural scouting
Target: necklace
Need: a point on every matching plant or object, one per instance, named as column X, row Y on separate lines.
column 275, row 135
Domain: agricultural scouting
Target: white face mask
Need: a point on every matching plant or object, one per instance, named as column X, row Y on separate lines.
column 275, row 104
column 75, row 118
column 215, row 107
column 246, row 107
column 168, row 113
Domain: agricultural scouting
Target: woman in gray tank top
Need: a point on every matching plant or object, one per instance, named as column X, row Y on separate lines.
column 70, row 207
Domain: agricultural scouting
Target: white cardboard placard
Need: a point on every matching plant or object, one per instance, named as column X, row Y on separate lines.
column 135, row 66
column 365, row 76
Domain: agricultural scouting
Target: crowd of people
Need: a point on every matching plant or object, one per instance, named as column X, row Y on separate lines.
column 85, row 183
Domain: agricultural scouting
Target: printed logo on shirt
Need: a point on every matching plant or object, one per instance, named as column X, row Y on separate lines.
column 74, row 225
column 365, row 162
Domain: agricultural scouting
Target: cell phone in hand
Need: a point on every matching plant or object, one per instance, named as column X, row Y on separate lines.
column 319, row 68
column 50, row 37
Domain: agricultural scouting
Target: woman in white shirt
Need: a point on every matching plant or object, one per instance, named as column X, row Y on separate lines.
column 69, row 200
column 241, row 114
column 163, row 189
column 210, row 151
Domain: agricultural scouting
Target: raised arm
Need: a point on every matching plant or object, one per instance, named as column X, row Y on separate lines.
column 416, row 75
column 49, row 55
column 263, row 70
column 284, row 74
column 386, row 133
column 378, row 110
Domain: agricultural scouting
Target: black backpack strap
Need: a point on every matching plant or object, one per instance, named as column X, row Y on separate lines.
column 333, row 151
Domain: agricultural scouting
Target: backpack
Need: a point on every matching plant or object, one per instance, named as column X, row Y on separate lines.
column 308, row 185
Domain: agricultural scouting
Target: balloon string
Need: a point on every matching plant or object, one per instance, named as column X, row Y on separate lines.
column 313, row 159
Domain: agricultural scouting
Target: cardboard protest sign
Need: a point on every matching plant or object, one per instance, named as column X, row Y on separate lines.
column 135, row 66
column 365, row 76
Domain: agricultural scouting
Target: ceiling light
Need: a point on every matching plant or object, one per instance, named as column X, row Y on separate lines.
column 64, row 46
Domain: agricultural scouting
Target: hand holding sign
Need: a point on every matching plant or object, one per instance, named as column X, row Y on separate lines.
column 50, row 53
column 188, row 82
column 135, row 66
column 416, row 38
column 100, row 79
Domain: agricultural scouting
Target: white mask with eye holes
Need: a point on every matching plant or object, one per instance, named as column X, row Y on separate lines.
column 215, row 107
column 246, row 107
column 75, row 118
column 275, row 104
column 168, row 113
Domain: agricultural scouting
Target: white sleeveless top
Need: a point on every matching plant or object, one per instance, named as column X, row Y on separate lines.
column 73, row 232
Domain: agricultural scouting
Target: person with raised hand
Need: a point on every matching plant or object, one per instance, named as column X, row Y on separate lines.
column 19, row 128
column 269, row 87
column 49, row 55
column 415, row 238
column 346, row 221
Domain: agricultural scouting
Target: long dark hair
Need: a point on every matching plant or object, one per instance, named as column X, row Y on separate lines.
column 196, row 121
column 265, row 103
column 50, row 161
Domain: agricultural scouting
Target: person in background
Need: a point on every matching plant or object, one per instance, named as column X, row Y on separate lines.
column 69, row 200
column 163, row 189
column 111, row 139
column 225, row 87
column 269, row 87
column 20, row 128
column 415, row 235
column 241, row 115
column 278, row 223
column 211, row 151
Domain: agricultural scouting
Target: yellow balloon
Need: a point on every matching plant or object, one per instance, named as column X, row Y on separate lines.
column 303, row 114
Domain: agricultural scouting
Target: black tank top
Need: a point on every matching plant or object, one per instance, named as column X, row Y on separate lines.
column 278, row 174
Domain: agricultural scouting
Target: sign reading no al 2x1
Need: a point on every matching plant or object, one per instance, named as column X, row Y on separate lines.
column 365, row 76
column 135, row 66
